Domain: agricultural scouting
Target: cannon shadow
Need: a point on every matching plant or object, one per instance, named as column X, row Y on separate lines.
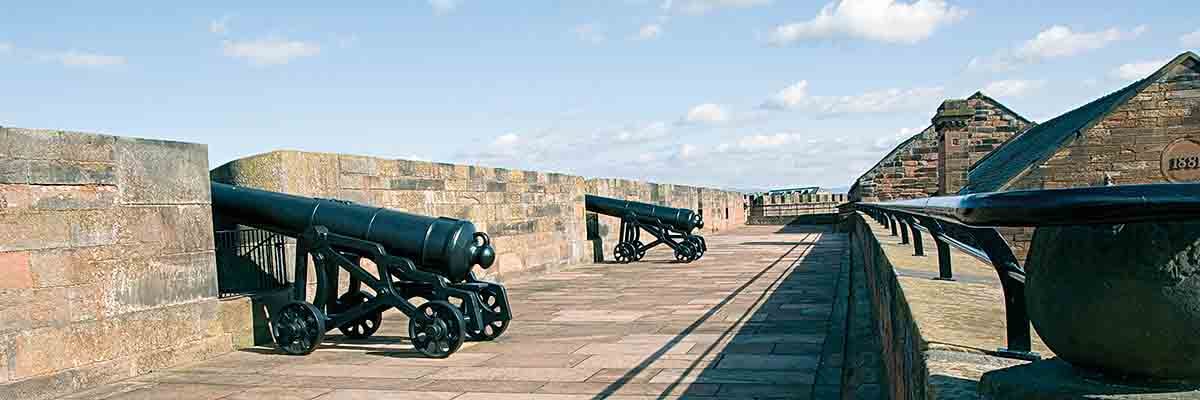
column 777, row 342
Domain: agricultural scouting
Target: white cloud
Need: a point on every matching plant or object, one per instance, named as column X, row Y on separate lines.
column 687, row 151
column 1061, row 41
column 82, row 59
column 649, row 31
column 1013, row 87
column 270, row 51
column 506, row 140
column 999, row 62
column 219, row 26
column 1191, row 39
column 1054, row 42
column 5, row 47
column 638, row 134
column 1138, row 70
column 763, row 141
column 885, row 21
column 889, row 142
column 443, row 7
column 796, row 97
column 707, row 113
column 589, row 33
column 795, row 158
column 697, row 7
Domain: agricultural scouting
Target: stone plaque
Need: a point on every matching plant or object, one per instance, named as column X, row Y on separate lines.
column 1181, row 161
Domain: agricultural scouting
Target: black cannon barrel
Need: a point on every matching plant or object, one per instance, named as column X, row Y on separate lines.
column 681, row 218
column 445, row 246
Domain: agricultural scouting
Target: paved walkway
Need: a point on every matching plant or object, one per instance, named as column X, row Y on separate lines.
column 750, row 320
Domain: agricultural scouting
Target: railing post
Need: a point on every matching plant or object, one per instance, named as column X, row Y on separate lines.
column 903, row 230
column 892, row 224
column 918, row 246
column 945, row 271
column 1012, row 281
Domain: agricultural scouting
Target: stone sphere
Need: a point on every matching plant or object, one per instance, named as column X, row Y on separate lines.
column 1123, row 300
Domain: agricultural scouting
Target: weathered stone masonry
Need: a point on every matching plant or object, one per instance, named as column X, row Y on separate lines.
column 936, row 160
column 106, row 260
column 909, row 171
column 967, row 131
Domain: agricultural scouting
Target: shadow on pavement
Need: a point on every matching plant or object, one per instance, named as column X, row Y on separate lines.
column 775, row 347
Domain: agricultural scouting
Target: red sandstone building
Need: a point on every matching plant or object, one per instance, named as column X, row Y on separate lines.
column 962, row 132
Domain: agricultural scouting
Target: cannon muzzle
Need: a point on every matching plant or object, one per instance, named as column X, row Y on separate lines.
column 445, row 246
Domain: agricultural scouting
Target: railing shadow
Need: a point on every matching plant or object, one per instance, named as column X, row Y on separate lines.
column 782, row 311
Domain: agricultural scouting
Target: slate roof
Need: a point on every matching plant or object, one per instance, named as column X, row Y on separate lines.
column 1037, row 144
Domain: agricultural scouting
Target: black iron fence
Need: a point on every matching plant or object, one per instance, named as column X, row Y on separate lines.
column 249, row 261
column 969, row 223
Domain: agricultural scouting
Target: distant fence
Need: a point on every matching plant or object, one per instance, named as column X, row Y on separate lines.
column 797, row 213
column 249, row 261
column 792, row 210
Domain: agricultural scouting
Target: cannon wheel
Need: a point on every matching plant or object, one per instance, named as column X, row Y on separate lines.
column 492, row 305
column 360, row 328
column 697, row 245
column 638, row 251
column 298, row 328
column 624, row 253
column 443, row 335
column 686, row 252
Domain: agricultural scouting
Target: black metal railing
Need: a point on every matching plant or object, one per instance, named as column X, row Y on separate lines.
column 969, row 222
column 249, row 261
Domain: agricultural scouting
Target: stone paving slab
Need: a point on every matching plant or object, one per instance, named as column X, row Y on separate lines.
column 750, row 320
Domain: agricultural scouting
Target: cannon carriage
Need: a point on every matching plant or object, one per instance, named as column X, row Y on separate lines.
column 415, row 256
column 669, row 226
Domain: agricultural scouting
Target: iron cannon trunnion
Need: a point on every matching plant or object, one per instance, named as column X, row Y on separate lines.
column 670, row 226
column 415, row 256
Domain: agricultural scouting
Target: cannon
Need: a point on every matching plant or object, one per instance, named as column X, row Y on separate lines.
column 669, row 226
column 415, row 256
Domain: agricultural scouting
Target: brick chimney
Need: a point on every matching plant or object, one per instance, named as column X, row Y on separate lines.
column 951, row 122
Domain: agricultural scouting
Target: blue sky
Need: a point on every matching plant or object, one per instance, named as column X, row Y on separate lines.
column 728, row 93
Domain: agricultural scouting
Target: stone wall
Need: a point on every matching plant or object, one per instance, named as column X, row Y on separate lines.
column 722, row 210
column 1123, row 148
column 535, row 219
column 106, row 260
column 909, row 171
column 905, row 373
column 968, row 130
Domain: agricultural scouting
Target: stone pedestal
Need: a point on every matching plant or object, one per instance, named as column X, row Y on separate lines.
column 1055, row 379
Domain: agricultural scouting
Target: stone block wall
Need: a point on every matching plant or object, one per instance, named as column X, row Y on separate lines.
column 968, row 130
column 106, row 260
column 906, row 375
column 535, row 219
column 910, row 171
column 1123, row 148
